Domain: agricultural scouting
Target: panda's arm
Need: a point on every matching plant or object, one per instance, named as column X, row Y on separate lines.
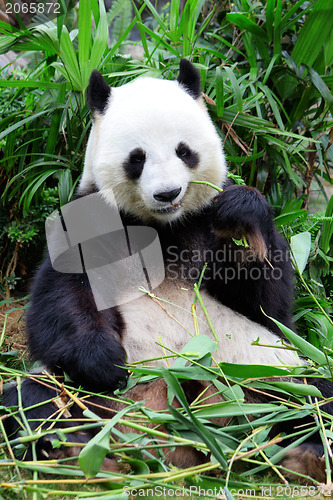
column 67, row 332
column 250, row 278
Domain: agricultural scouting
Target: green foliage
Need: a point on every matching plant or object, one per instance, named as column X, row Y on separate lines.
column 266, row 70
column 119, row 17
column 22, row 237
column 140, row 441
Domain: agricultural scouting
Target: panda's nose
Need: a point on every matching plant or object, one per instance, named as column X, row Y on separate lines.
column 167, row 195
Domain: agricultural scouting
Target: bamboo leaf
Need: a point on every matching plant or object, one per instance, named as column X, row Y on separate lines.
column 245, row 23
column 93, row 454
column 26, row 84
column 288, row 217
column 141, row 31
column 55, row 122
column 235, row 409
column 294, row 388
column 65, row 186
column 70, row 63
column 270, row 6
column 219, row 92
column 321, row 86
column 84, row 38
column 235, row 87
column 100, row 43
column 303, row 345
column 204, row 433
column 188, row 22
column 270, row 67
column 294, row 176
column 19, row 124
column 161, row 39
column 272, row 104
column 32, row 188
column 251, row 371
column 290, row 12
column 300, row 245
column 277, row 28
column 174, row 15
column 316, row 30
column 196, row 347
column 327, row 231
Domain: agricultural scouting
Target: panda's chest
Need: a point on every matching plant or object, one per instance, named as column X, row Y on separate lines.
column 166, row 318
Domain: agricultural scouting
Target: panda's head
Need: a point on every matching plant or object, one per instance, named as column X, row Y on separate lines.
column 149, row 140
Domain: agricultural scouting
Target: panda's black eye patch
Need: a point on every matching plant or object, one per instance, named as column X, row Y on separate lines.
column 187, row 155
column 134, row 164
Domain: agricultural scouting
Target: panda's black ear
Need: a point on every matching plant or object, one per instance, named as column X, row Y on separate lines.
column 189, row 78
column 98, row 92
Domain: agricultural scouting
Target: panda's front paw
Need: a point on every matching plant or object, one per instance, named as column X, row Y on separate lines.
column 100, row 372
column 241, row 213
column 96, row 363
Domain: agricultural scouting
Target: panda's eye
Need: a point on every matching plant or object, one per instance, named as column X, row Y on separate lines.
column 134, row 164
column 137, row 156
column 187, row 155
column 183, row 151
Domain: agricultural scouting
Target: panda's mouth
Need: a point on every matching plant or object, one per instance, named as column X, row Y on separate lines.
column 174, row 207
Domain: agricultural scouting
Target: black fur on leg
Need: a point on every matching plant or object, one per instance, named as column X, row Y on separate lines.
column 67, row 332
column 33, row 393
column 243, row 209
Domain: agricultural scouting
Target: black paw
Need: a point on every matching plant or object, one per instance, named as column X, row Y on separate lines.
column 97, row 366
column 241, row 212
column 241, row 208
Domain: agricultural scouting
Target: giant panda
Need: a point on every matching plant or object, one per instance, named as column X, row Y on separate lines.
column 150, row 140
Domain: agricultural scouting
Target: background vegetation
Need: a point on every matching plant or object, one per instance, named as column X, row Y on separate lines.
column 266, row 70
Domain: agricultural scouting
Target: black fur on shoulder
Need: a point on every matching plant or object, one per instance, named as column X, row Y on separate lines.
column 189, row 78
column 98, row 92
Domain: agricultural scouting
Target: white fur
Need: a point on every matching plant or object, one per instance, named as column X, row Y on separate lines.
column 154, row 115
column 147, row 323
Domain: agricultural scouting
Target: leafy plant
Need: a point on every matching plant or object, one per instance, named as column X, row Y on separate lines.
column 245, row 440
column 21, row 239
